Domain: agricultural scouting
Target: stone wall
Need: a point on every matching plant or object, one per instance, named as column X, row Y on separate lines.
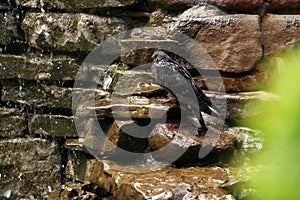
column 42, row 45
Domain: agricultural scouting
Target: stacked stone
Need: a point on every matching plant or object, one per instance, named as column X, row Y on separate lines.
column 42, row 45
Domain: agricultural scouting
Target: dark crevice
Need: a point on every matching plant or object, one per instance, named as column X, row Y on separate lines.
column 64, row 158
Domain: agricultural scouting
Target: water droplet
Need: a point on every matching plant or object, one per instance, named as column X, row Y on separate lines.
column 107, row 81
column 7, row 194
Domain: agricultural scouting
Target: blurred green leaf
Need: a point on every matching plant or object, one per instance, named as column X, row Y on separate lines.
column 280, row 123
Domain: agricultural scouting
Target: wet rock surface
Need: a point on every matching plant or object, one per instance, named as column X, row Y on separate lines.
column 165, row 183
column 38, row 68
column 6, row 35
column 239, row 105
column 12, row 123
column 71, row 190
column 47, row 95
column 73, row 5
column 69, row 32
column 42, row 45
column 55, row 126
column 79, row 166
column 28, row 172
column 251, row 81
column 222, row 146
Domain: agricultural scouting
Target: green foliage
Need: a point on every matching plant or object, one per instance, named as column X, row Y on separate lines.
column 280, row 123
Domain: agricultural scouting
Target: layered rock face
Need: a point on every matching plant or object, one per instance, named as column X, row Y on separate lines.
column 82, row 118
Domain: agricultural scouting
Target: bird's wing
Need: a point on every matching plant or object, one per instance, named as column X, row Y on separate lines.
column 186, row 74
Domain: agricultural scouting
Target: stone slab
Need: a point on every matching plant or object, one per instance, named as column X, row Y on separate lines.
column 45, row 95
column 165, row 183
column 233, row 41
column 279, row 33
column 12, row 122
column 71, row 32
column 53, row 125
column 38, row 68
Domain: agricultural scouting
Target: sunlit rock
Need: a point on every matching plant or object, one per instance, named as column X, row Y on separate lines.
column 233, row 41
column 136, row 182
column 279, row 32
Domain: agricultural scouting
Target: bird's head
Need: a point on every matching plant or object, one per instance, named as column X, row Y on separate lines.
column 159, row 55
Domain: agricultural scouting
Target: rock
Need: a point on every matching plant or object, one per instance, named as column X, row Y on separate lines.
column 79, row 166
column 250, row 144
column 237, row 5
column 76, row 5
column 74, row 144
column 30, row 168
column 182, row 147
column 6, row 34
column 38, row 68
column 128, row 136
column 138, row 52
column 254, row 80
column 71, row 32
column 45, row 95
column 133, row 107
column 279, row 32
column 12, row 123
column 4, row 5
column 174, row 5
column 164, row 183
column 240, row 105
column 281, row 5
column 233, row 41
column 53, row 125
column 71, row 190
